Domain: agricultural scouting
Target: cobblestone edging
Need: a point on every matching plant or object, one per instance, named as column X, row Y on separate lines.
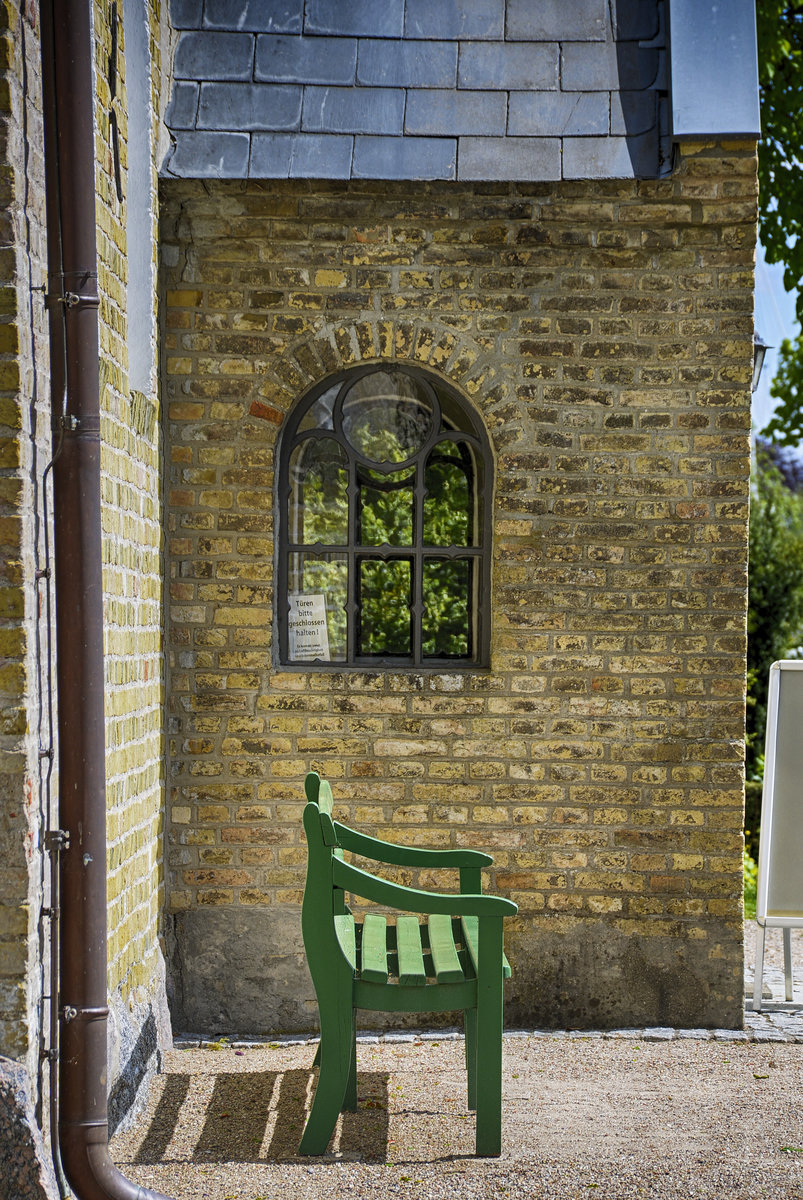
column 774, row 1026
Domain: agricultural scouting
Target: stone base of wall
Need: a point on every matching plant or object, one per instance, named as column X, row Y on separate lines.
column 27, row 1170
column 242, row 972
column 239, row 971
column 139, row 1032
column 595, row 976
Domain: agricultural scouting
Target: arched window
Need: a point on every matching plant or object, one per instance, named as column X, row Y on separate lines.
column 384, row 540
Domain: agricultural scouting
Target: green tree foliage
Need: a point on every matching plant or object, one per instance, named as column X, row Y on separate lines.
column 775, row 597
column 780, row 197
column 786, row 425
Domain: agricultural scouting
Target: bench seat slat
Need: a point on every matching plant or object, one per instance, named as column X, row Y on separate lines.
column 411, row 955
column 444, row 952
column 374, row 948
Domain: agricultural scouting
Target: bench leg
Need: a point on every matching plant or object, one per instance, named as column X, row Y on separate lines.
column 336, row 1056
column 350, row 1099
column 470, row 1028
column 489, row 1038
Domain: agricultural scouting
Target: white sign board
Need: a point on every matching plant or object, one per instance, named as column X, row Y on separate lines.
column 780, row 867
column 306, row 626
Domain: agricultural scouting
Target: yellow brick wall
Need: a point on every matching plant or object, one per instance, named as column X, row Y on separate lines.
column 131, row 519
column 24, row 451
column 604, row 332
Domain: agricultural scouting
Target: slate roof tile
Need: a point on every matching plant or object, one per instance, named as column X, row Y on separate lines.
column 633, row 112
column 556, row 20
column 301, row 156
column 407, row 63
column 520, row 65
column 186, row 14
column 183, row 107
column 467, row 19
column 448, row 113
column 214, row 56
column 404, row 158
column 313, row 60
column 256, row 16
column 509, row 158
column 360, row 18
column 558, row 114
column 210, row 156
column 249, row 106
column 610, row 158
column 353, row 110
column 637, row 21
column 587, row 67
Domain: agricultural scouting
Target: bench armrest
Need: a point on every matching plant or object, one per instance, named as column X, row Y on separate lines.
column 406, row 856
column 395, row 895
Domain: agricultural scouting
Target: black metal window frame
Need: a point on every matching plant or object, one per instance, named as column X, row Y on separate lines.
column 457, row 423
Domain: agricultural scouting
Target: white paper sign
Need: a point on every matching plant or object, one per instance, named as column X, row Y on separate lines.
column 306, row 627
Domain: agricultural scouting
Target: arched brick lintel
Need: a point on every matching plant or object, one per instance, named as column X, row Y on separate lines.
column 454, row 355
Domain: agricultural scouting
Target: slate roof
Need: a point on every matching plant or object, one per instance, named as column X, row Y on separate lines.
column 418, row 89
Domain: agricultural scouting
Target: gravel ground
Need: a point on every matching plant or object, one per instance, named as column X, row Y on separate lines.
column 584, row 1116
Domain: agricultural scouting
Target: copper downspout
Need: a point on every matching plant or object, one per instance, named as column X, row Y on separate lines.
column 68, row 89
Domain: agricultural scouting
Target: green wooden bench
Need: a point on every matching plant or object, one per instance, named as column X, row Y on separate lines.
column 451, row 961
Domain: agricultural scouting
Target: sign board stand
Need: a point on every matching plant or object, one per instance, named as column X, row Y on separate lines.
column 779, row 898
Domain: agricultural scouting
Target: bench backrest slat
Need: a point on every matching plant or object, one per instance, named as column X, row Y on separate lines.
column 410, row 951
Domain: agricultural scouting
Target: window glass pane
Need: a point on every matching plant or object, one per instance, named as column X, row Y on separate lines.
column 449, row 501
column 319, row 493
column 387, row 417
column 384, row 622
column 446, row 628
column 317, row 588
column 385, row 513
column 319, row 413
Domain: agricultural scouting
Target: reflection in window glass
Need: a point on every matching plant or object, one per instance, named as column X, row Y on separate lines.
column 449, row 503
column 319, row 499
column 319, row 414
column 385, row 509
column 384, row 607
column 446, row 625
column 387, row 417
column 325, row 575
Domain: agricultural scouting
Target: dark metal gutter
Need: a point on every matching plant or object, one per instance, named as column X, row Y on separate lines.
column 68, row 89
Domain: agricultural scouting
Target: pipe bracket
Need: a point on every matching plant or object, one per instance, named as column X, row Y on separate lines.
column 57, row 840
column 69, row 1012
column 73, row 300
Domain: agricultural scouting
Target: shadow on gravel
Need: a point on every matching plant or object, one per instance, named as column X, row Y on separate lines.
column 258, row 1116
